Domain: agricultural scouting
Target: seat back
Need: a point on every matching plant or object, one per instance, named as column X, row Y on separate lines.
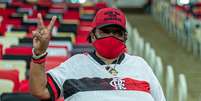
column 8, row 41
column 1, row 51
column 159, row 69
column 170, row 83
column 54, row 61
column 6, row 85
column 182, row 88
column 12, row 75
column 19, row 50
column 19, row 65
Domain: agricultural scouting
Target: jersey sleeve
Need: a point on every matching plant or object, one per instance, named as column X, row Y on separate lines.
column 53, row 88
column 155, row 87
column 56, row 78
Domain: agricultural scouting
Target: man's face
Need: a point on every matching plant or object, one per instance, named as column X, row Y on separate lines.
column 110, row 31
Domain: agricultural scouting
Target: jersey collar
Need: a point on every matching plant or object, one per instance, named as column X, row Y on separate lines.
column 101, row 62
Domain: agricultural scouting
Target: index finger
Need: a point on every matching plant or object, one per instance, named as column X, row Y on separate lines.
column 52, row 22
column 40, row 21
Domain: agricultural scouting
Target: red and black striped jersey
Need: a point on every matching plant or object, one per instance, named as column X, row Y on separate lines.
column 84, row 77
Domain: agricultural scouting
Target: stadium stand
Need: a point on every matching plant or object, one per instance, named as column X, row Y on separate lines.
column 17, row 21
column 161, row 71
column 183, row 22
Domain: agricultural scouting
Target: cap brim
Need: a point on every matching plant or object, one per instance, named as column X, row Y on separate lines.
column 107, row 25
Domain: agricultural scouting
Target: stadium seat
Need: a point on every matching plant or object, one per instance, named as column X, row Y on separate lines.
column 1, row 51
column 170, row 83
column 54, row 61
column 57, row 51
column 182, row 88
column 147, row 49
column 152, row 58
column 64, row 36
column 2, row 26
column 141, row 47
column 159, row 69
column 71, row 14
column 135, row 41
column 17, row 97
column 73, row 6
column 18, row 34
column 100, row 5
column 26, row 58
column 12, row 75
column 6, row 85
column 19, row 50
column 67, row 27
column 85, row 23
column 81, row 39
column 19, row 65
column 130, row 40
column 24, row 86
column 8, row 41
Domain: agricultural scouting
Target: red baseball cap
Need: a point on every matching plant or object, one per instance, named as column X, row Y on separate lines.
column 109, row 16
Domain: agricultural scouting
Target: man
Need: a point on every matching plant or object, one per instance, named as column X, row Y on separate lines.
column 108, row 74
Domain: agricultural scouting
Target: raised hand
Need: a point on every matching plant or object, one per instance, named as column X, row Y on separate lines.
column 41, row 35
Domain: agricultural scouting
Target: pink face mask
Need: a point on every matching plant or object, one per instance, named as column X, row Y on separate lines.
column 109, row 47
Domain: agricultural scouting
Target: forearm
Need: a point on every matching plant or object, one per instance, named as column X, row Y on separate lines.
column 38, row 81
column 41, row 37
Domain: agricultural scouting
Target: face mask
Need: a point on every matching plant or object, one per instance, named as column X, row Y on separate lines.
column 109, row 47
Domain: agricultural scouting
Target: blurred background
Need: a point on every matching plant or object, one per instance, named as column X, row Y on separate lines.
column 166, row 33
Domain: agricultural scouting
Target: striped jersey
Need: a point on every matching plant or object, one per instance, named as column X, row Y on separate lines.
column 84, row 77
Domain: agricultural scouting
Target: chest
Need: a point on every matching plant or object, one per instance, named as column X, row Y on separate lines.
column 94, row 77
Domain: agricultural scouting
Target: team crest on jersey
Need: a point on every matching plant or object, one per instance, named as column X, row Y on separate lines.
column 118, row 83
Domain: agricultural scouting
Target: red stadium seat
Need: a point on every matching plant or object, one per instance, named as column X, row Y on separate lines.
column 24, row 86
column 2, row 26
column 85, row 23
column 12, row 75
column 100, row 5
column 80, row 39
column 71, row 15
column 6, row 12
column 1, row 51
column 14, row 22
column 54, row 61
column 45, row 3
column 82, row 35
column 19, row 51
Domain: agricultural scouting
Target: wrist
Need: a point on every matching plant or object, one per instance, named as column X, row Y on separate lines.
column 38, row 55
column 39, row 61
column 37, row 52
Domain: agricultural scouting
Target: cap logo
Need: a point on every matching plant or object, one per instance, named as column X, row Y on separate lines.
column 112, row 15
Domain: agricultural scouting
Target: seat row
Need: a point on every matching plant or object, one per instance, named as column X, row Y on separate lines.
column 165, row 74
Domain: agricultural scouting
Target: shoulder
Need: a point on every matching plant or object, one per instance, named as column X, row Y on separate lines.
column 77, row 58
column 134, row 58
column 137, row 61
